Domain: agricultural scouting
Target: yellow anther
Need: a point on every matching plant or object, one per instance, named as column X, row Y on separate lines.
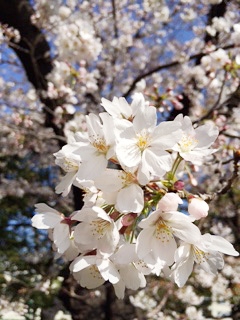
column 187, row 143
column 199, row 255
column 100, row 227
column 163, row 231
column 143, row 140
column 69, row 165
column 100, row 145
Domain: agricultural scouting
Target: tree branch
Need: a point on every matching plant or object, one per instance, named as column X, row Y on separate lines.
column 169, row 65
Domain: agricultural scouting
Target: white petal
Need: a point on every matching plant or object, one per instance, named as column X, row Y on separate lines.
column 65, row 184
column 144, row 242
column 128, row 153
column 212, row 262
column 46, row 220
column 182, row 252
column 108, row 270
column 89, row 278
column 43, row 208
column 81, row 263
column 130, row 199
column 143, row 174
column 110, row 181
column 145, row 118
column 206, row 135
column 182, row 271
column 126, row 254
column 182, row 227
column 196, row 156
column 92, row 167
column 119, row 289
column 72, row 252
column 166, row 134
column 86, row 214
column 85, row 234
column 138, row 103
column 61, row 237
column 132, row 277
column 217, row 243
column 117, row 108
column 107, row 128
column 158, row 163
column 150, row 220
column 198, row 208
column 164, row 248
column 108, row 243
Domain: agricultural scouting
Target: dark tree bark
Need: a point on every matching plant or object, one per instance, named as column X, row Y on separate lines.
column 34, row 53
column 33, row 49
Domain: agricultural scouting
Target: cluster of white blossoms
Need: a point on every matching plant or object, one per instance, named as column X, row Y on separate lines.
column 131, row 224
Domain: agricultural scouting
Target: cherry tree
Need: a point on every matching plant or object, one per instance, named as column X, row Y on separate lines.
column 124, row 131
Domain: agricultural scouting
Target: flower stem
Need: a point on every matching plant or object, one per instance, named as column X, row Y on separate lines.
column 176, row 163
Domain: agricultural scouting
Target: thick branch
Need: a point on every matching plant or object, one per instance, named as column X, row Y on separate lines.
column 33, row 49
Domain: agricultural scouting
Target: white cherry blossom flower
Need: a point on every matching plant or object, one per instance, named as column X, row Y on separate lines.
column 131, row 269
column 96, row 146
column 123, row 188
column 206, row 253
column 72, row 251
column 143, row 144
column 76, row 40
column 120, row 108
column 70, row 163
column 194, row 144
column 91, row 271
column 96, row 231
column 160, row 229
column 48, row 218
column 92, row 196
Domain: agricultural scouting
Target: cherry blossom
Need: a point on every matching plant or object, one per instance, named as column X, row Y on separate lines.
column 128, row 164
column 122, row 189
column 206, row 253
column 120, row 108
column 143, row 143
column 92, row 271
column 160, row 228
column 96, row 231
column 70, row 163
column 48, row 218
column 95, row 147
column 131, row 269
column 194, row 143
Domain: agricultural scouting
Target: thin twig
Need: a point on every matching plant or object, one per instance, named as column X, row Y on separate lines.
column 234, row 176
column 216, row 104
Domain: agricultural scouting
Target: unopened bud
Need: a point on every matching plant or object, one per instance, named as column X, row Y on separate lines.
column 197, row 207
column 178, row 185
column 236, row 155
column 128, row 219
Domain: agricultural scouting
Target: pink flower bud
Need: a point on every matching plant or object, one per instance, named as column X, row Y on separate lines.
column 178, row 185
column 197, row 208
column 128, row 219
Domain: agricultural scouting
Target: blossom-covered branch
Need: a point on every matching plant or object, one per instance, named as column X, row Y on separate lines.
column 133, row 222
